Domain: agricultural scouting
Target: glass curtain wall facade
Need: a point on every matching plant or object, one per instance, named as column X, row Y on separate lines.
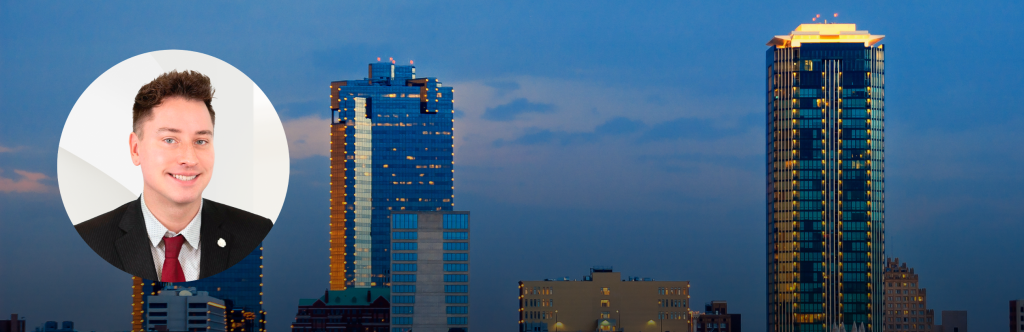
column 825, row 179
column 391, row 150
column 240, row 286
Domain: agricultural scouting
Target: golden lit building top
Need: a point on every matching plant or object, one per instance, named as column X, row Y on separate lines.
column 825, row 33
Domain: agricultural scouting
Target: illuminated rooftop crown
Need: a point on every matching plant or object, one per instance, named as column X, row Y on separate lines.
column 825, row 33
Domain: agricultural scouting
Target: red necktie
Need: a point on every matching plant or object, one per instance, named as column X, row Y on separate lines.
column 172, row 271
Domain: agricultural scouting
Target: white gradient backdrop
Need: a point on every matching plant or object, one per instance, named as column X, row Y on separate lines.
column 95, row 171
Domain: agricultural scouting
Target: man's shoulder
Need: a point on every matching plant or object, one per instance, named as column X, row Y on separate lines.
column 105, row 222
column 231, row 216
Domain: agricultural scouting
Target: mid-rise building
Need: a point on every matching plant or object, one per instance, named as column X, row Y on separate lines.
column 391, row 150
column 716, row 318
column 1017, row 315
column 353, row 309
column 14, row 324
column 430, row 271
column 185, row 310
column 240, row 287
column 906, row 302
column 604, row 301
column 51, row 326
column 825, row 188
column 952, row 321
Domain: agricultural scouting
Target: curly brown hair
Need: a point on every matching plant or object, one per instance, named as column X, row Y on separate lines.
column 188, row 84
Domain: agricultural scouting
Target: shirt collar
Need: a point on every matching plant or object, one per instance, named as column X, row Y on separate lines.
column 157, row 231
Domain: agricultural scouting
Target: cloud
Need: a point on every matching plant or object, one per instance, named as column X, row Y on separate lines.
column 515, row 108
column 28, row 183
column 5, row 149
column 502, row 88
column 614, row 126
column 308, row 136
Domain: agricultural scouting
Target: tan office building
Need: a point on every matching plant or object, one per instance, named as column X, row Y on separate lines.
column 906, row 302
column 604, row 301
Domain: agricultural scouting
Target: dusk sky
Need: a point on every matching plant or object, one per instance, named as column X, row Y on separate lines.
column 629, row 134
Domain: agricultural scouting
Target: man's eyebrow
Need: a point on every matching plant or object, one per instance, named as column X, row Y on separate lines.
column 205, row 132
column 173, row 130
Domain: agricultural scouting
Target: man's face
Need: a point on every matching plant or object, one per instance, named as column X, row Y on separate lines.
column 175, row 150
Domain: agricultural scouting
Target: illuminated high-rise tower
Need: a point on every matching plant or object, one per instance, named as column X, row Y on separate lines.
column 825, row 179
column 391, row 150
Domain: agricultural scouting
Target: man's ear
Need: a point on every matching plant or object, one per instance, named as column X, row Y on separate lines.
column 133, row 146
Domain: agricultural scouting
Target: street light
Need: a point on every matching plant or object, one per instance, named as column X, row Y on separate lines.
column 556, row 320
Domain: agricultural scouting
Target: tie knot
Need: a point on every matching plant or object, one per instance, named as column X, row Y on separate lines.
column 172, row 245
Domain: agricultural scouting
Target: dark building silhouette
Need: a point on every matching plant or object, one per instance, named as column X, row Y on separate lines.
column 13, row 325
column 716, row 318
column 906, row 302
column 354, row 309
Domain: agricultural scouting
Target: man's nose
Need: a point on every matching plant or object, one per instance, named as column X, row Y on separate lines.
column 187, row 155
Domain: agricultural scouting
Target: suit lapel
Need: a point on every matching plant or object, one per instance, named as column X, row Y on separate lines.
column 214, row 256
column 133, row 248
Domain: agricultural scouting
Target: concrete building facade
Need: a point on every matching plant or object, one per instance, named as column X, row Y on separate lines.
column 906, row 302
column 430, row 271
column 604, row 301
column 952, row 321
column 185, row 310
column 350, row 310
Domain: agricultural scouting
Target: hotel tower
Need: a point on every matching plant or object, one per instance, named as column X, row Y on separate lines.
column 825, row 92
column 391, row 150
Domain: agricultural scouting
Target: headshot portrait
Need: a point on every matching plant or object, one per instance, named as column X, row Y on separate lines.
column 156, row 211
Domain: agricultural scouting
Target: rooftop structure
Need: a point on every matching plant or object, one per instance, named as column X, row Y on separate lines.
column 825, row 33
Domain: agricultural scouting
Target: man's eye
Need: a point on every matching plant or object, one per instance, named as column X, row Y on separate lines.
column 169, row 140
column 202, row 142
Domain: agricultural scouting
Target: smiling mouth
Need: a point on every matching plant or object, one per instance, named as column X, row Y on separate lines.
column 185, row 177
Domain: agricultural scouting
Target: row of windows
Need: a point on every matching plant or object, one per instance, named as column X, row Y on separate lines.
column 403, row 288
column 456, row 267
column 455, row 221
column 456, row 246
column 403, row 299
column 456, row 278
column 539, row 291
column 404, row 257
column 404, row 245
column 403, row 267
column 539, row 302
column 455, row 288
column 404, row 235
column 456, row 257
column 456, row 299
column 404, row 221
column 671, row 303
column 670, row 291
column 403, row 277
column 456, row 310
column 456, row 235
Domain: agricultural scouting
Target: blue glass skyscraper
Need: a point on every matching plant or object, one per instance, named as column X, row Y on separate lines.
column 825, row 179
column 391, row 150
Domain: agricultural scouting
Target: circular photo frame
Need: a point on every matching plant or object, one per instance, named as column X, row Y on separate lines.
column 102, row 174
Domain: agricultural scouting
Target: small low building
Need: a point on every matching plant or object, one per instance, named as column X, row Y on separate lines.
column 14, row 324
column 604, row 301
column 716, row 318
column 353, row 309
column 51, row 326
column 186, row 310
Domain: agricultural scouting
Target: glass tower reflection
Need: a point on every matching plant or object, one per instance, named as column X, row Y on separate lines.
column 391, row 150
column 825, row 180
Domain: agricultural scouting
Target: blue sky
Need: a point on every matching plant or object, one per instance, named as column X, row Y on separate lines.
column 588, row 133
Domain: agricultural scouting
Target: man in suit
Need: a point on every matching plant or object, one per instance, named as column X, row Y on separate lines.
column 171, row 233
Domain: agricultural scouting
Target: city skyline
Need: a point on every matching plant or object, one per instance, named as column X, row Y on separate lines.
column 632, row 124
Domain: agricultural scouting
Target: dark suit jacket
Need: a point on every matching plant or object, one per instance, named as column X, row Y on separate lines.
column 120, row 237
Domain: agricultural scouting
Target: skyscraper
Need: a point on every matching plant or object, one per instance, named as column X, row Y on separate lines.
column 825, row 182
column 391, row 150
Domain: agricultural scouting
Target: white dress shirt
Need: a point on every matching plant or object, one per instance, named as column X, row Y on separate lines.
column 188, row 257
